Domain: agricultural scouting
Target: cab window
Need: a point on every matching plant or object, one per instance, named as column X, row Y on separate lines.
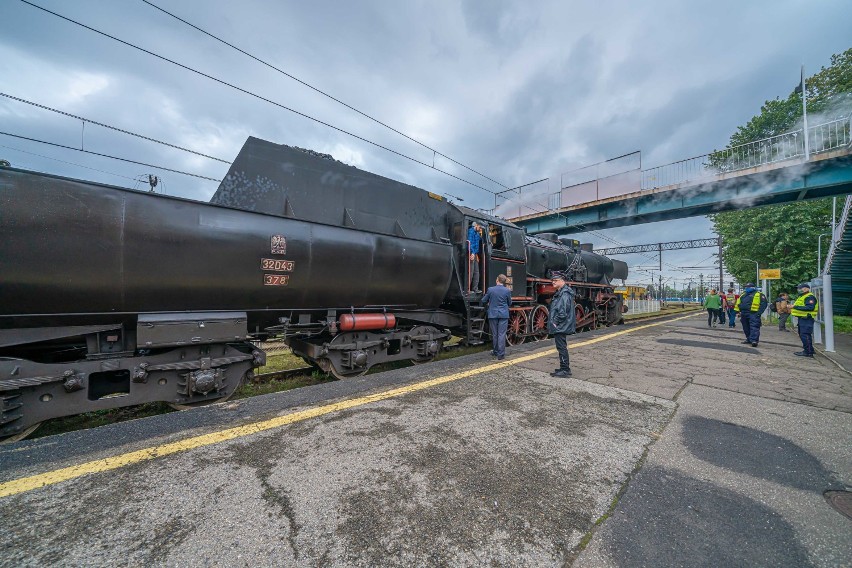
column 498, row 239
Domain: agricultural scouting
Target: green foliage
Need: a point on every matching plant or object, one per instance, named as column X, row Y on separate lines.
column 251, row 389
column 784, row 236
column 842, row 324
column 828, row 91
column 281, row 362
column 831, row 83
column 776, row 236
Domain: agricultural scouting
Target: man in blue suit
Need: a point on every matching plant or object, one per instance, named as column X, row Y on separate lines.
column 498, row 299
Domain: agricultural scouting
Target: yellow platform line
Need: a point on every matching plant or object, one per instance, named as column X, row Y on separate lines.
column 25, row 484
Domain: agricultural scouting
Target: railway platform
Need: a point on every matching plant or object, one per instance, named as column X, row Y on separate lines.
column 672, row 444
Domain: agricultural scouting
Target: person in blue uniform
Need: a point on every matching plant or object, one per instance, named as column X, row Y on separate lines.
column 498, row 298
column 562, row 321
column 750, row 305
column 805, row 308
column 474, row 241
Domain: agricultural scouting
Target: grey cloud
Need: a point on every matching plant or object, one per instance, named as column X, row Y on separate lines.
column 518, row 91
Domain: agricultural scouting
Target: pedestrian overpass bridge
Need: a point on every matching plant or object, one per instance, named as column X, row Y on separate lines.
column 780, row 169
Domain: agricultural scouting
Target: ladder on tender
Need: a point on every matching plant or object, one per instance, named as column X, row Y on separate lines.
column 475, row 324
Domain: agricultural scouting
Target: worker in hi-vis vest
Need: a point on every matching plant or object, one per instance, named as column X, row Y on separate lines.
column 805, row 308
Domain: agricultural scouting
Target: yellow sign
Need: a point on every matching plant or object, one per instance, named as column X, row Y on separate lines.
column 770, row 274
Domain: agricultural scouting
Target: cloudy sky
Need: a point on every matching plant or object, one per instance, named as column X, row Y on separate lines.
column 515, row 90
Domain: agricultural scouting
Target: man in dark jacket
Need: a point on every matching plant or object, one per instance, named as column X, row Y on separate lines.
column 751, row 305
column 562, row 321
column 498, row 299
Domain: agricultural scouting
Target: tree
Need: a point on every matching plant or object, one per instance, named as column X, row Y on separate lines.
column 776, row 236
column 829, row 92
column 785, row 236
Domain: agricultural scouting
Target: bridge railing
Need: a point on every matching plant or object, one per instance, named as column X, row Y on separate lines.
column 790, row 145
column 830, row 135
column 585, row 185
column 841, row 227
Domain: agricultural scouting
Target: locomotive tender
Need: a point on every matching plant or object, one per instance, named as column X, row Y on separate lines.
column 111, row 297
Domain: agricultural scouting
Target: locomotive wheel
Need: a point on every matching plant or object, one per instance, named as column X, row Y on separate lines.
column 429, row 358
column 311, row 362
column 516, row 331
column 342, row 376
column 20, row 435
column 226, row 398
column 538, row 323
column 325, row 364
column 582, row 314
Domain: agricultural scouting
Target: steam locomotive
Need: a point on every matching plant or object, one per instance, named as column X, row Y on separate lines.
column 111, row 297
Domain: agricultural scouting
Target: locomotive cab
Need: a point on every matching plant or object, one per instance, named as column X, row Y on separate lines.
column 501, row 251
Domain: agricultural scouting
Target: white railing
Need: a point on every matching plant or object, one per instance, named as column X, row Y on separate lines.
column 841, row 227
column 790, row 145
column 642, row 306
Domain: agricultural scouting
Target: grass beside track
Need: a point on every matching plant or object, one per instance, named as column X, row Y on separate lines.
column 842, row 324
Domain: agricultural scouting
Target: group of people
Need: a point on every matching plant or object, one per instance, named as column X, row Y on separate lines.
column 561, row 322
column 753, row 303
column 721, row 307
column 717, row 307
column 750, row 305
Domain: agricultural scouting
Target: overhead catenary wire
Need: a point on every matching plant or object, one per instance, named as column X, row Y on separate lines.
column 255, row 95
column 121, row 130
column 109, row 156
column 323, row 93
column 67, row 162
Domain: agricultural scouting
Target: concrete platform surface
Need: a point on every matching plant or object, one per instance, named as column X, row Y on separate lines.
column 672, row 445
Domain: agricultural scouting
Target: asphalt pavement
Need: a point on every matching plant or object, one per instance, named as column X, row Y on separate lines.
column 672, row 445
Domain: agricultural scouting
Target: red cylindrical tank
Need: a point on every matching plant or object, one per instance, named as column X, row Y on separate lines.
column 360, row 322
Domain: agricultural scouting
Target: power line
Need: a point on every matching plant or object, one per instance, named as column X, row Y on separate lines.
column 255, row 95
column 128, row 132
column 109, row 156
column 67, row 162
column 323, row 93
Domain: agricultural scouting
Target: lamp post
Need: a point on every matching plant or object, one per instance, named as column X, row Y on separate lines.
column 819, row 252
column 756, row 270
column 801, row 88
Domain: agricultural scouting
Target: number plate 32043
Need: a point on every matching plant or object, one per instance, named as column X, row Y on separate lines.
column 277, row 264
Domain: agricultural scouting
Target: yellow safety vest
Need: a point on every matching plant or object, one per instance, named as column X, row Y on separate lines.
column 755, row 302
column 800, row 303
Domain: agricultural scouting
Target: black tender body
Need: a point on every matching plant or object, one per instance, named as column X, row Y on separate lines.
column 112, row 297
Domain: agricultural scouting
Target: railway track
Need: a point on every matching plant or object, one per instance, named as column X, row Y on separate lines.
column 301, row 371
column 284, row 374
